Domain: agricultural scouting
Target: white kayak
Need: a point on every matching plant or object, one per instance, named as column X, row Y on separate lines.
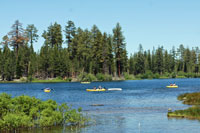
column 114, row 89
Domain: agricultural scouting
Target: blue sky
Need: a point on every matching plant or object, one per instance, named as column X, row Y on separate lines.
column 147, row 22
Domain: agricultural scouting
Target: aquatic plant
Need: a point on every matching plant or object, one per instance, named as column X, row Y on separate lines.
column 192, row 112
column 190, row 98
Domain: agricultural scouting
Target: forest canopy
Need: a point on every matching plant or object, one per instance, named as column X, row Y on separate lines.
column 89, row 55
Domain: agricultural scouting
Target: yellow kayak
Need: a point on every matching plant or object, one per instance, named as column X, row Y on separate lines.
column 85, row 82
column 174, row 86
column 96, row 89
column 47, row 90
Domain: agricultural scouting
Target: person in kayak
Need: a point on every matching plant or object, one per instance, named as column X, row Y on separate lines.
column 95, row 88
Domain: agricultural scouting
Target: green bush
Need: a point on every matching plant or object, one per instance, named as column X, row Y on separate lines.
column 156, row 76
column 86, row 77
column 147, row 75
column 181, row 73
column 68, row 79
column 100, row 77
column 90, row 77
column 29, row 112
column 139, row 76
column 167, row 75
column 144, row 76
column 173, row 75
column 59, row 78
column 190, row 75
column 23, row 79
column 128, row 76
column 108, row 77
column 30, row 78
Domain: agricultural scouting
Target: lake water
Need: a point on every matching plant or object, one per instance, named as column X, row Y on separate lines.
column 141, row 107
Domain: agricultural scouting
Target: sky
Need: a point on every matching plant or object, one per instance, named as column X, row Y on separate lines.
column 151, row 23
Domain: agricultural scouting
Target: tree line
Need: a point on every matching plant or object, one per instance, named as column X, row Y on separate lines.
column 180, row 62
column 88, row 52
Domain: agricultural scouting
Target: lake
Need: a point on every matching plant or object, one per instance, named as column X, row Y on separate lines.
column 141, row 107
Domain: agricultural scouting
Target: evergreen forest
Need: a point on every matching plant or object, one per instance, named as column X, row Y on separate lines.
column 72, row 53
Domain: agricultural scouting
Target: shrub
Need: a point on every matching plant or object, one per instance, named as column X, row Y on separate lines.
column 29, row 112
column 59, row 78
column 190, row 75
column 139, row 76
column 86, row 77
column 173, row 75
column 147, row 75
column 90, row 77
column 167, row 75
column 156, row 76
column 181, row 73
column 108, row 77
column 128, row 76
column 100, row 77
column 68, row 79
column 23, row 79
column 30, row 78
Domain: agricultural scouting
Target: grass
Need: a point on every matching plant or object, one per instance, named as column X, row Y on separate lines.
column 164, row 77
column 192, row 112
column 180, row 77
column 48, row 81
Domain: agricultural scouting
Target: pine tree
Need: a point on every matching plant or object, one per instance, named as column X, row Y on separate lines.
column 159, row 60
column 70, row 32
column 173, row 60
column 8, row 65
column 53, row 35
column 17, row 36
column 140, row 60
column 22, row 66
column 119, row 47
column 187, row 62
column 44, row 61
column 149, row 62
column 31, row 33
column 96, row 40
column 166, row 62
column 131, row 64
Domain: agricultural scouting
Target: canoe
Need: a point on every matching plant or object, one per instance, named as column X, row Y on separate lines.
column 47, row 90
column 114, row 89
column 175, row 86
column 96, row 89
column 85, row 82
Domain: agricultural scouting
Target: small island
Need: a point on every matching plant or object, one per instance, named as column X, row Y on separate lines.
column 192, row 112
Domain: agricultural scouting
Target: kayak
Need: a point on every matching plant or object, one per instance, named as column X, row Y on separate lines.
column 47, row 90
column 174, row 86
column 114, row 89
column 85, row 82
column 96, row 89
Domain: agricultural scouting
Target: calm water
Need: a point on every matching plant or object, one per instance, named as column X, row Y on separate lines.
column 141, row 107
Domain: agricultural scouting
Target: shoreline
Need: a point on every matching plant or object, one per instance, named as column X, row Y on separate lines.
column 191, row 112
column 76, row 80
